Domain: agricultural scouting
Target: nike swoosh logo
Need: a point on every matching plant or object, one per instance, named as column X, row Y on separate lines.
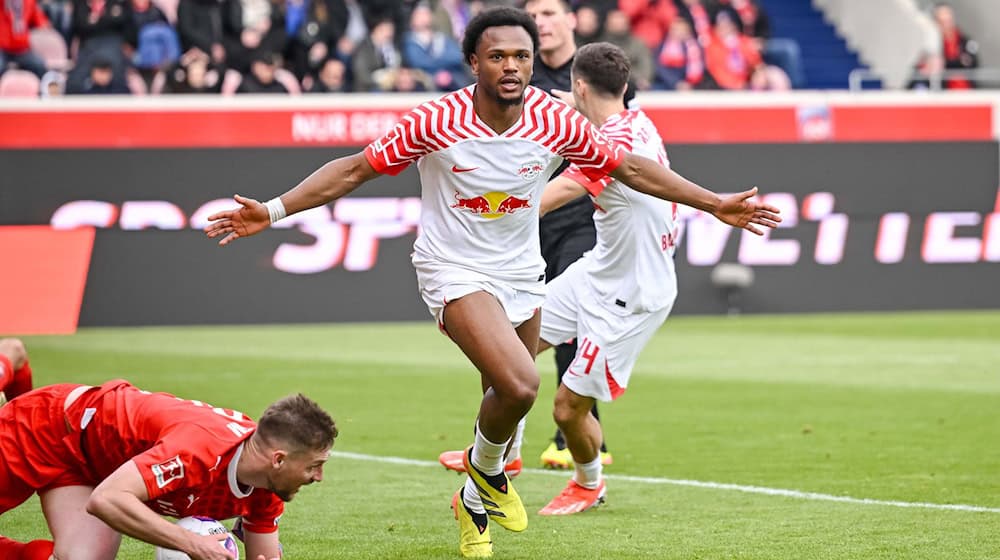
column 457, row 169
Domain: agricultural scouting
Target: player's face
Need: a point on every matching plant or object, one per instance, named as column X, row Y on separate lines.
column 296, row 471
column 555, row 24
column 502, row 63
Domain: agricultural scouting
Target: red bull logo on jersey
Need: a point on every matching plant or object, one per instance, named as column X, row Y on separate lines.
column 530, row 170
column 492, row 205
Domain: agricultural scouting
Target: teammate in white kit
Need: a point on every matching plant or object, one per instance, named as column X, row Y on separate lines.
column 617, row 295
column 484, row 154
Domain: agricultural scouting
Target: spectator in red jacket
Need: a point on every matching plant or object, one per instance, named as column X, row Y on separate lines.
column 17, row 19
column 650, row 19
column 731, row 57
column 680, row 62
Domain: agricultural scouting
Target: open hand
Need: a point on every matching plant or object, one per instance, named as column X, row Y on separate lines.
column 739, row 211
column 252, row 217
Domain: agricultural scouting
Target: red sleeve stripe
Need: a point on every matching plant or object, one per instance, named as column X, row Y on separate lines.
column 429, row 136
column 453, row 119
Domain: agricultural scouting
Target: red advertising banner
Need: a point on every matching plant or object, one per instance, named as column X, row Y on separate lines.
column 338, row 123
column 42, row 290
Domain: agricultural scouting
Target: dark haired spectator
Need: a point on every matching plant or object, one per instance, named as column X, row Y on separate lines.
column 680, row 63
column 251, row 26
column 376, row 52
column 331, row 78
column 435, row 53
column 194, row 73
column 588, row 25
column 618, row 32
column 105, row 30
column 958, row 52
column 314, row 27
column 261, row 77
column 650, row 19
column 100, row 79
column 199, row 27
column 16, row 22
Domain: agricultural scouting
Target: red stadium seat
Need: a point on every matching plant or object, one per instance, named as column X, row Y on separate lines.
column 50, row 46
column 19, row 83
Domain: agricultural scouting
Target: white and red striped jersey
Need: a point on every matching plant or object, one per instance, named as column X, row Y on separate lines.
column 480, row 189
column 632, row 263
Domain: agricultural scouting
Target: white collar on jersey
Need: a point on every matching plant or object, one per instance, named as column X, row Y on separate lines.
column 234, row 485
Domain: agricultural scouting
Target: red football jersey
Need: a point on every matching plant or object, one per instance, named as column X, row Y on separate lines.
column 186, row 451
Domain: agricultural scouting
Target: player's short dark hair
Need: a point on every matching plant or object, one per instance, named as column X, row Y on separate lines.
column 604, row 66
column 299, row 422
column 497, row 17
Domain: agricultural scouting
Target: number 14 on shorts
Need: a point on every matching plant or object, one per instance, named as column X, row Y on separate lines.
column 585, row 358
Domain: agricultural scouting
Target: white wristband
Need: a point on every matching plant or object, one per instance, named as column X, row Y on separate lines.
column 275, row 209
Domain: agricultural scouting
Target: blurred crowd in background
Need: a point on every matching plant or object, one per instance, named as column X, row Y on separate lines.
column 55, row 47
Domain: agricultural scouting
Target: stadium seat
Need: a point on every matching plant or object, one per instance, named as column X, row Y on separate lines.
column 50, row 46
column 19, row 83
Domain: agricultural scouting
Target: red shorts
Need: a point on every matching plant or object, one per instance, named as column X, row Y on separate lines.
column 34, row 455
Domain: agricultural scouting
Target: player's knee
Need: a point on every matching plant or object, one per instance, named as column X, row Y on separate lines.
column 520, row 394
column 565, row 416
column 569, row 411
column 14, row 349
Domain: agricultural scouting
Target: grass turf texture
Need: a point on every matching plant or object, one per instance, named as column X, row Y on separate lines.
column 900, row 407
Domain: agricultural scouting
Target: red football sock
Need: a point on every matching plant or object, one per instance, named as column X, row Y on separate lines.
column 21, row 383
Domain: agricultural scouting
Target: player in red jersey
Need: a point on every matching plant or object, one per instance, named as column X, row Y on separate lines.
column 110, row 460
column 15, row 372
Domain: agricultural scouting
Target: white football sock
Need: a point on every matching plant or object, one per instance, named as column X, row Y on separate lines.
column 486, row 455
column 516, row 441
column 471, row 497
column 588, row 475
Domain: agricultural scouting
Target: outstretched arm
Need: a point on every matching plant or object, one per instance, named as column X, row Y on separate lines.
column 328, row 183
column 118, row 501
column 737, row 210
column 558, row 192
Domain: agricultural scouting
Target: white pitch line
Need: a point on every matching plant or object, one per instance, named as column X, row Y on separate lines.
column 701, row 484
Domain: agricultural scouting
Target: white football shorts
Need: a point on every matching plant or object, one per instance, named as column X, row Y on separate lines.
column 441, row 283
column 609, row 339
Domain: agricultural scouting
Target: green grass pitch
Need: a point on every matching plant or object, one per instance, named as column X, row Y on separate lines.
column 873, row 420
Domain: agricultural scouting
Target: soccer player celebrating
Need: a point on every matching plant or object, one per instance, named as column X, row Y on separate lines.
column 477, row 257
column 15, row 372
column 615, row 297
column 110, row 460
